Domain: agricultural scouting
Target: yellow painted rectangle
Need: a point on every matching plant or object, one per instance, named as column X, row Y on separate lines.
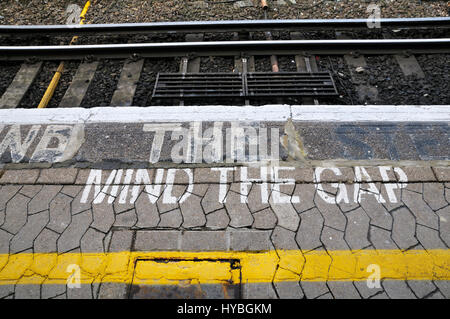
column 183, row 272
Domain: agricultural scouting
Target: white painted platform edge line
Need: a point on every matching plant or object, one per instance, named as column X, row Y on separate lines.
column 372, row 113
column 267, row 113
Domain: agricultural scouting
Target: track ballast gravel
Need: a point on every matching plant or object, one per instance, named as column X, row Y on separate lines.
column 107, row 11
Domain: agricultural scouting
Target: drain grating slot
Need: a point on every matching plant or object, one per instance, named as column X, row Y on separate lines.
column 243, row 85
column 198, row 85
column 290, row 84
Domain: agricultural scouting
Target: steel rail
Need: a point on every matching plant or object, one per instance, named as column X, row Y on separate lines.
column 228, row 48
column 222, row 26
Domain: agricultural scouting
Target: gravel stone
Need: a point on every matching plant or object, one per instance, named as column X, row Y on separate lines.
column 70, row 68
column 40, row 84
column 8, row 71
column 103, row 85
column 216, row 64
column 35, row 11
column 151, row 68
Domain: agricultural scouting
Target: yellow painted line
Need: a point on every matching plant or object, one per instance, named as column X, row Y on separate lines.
column 254, row 267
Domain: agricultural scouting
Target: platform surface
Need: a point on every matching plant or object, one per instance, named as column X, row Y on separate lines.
column 271, row 202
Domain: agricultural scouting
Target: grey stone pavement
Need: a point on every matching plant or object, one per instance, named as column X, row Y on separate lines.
column 137, row 145
column 81, row 211
column 278, row 209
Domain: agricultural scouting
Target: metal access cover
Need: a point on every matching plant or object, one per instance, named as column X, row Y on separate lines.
column 243, row 85
column 186, row 279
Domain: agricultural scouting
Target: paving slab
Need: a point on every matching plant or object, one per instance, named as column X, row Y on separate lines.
column 50, row 221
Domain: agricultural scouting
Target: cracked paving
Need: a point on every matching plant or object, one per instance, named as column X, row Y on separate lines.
column 309, row 233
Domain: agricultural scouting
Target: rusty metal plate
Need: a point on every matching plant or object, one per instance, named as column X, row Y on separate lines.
column 186, row 279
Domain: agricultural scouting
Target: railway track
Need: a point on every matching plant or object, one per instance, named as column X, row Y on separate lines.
column 229, row 159
column 243, row 69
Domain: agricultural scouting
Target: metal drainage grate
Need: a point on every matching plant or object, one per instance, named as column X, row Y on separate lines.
column 290, row 84
column 243, row 85
column 198, row 85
